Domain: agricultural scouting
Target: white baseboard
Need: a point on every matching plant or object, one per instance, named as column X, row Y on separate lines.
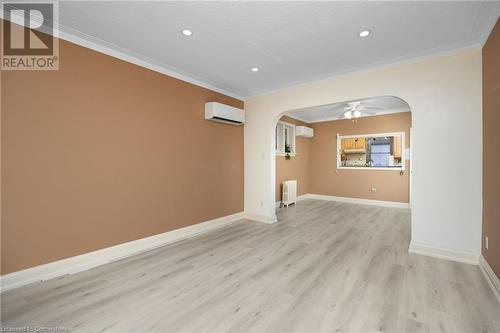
column 444, row 253
column 261, row 218
column 299, row 198
column 394, row 204
column 490, row 276
column 100, row 257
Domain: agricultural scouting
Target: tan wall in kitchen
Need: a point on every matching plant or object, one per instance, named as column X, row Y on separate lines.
column 103, row 152
column 297, row 167
column 325, row 179
column 491, row 149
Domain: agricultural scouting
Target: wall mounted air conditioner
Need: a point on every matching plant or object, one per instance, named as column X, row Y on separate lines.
column 289, row 192
column 304, row 131
column 224, row 113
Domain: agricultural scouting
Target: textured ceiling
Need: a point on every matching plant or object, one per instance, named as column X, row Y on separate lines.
column 291, row 42
column 368, row 107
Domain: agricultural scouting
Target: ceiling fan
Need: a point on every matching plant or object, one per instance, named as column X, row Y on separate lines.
column 354, row 110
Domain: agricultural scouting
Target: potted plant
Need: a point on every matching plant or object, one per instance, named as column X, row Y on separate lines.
column 287, row 152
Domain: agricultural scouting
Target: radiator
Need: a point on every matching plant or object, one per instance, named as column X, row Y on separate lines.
column 289, row 192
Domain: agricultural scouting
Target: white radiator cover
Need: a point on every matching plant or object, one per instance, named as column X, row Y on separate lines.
column 289, row 192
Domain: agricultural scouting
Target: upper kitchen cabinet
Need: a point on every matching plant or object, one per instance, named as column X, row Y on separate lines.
column 396, row 146
column 360, row 143
column 353, row 143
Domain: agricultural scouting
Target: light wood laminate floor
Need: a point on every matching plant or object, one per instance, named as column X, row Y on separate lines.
column 324, row 267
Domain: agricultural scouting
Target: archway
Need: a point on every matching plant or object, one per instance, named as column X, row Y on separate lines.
column 313, row 161
column 446, row 214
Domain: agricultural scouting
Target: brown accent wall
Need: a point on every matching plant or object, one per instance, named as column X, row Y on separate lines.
column 103, row 152
column 491, row 149
column 325, row 179
column 297, row 167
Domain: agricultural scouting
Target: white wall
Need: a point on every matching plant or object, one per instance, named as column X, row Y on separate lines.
column 444, row 94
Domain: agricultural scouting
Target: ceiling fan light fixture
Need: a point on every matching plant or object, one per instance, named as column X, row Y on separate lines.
column 364, row 33
column 348, row 115
column 187, row 32
column 357, row 114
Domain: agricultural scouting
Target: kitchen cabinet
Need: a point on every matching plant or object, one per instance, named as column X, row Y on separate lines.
column 360, row 143
column 396, row 146
column 347, row 144
column 353, row 143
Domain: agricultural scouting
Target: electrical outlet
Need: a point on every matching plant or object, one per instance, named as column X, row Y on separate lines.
column 374, row 190
column 486, row 245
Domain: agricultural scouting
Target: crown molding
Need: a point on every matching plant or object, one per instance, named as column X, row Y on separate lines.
column 110, row 49
column 408, row 59
column 476, row 39
column 486, row 18
column 296, row 118
column 93, row 43
column 324, row 119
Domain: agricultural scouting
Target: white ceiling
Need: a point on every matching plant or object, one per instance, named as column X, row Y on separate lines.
column 369, row 107
column 290, row 42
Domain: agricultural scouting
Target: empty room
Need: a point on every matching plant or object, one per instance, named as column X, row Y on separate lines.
column 250, row 166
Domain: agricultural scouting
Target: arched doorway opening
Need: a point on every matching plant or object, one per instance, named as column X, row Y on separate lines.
column 377, row 171
column 445, row 191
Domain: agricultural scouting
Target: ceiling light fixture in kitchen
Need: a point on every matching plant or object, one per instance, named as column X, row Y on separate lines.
column 364, row 33
column 187, row 32
column 355, row 110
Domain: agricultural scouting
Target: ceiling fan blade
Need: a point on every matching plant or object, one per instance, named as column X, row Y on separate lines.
column 348, row 115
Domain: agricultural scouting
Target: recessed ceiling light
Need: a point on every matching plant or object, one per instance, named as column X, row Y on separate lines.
column 187, row 32
column 255, row 69
column 364, row 33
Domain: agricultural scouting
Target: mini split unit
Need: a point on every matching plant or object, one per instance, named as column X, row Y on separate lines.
column 224, row 114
